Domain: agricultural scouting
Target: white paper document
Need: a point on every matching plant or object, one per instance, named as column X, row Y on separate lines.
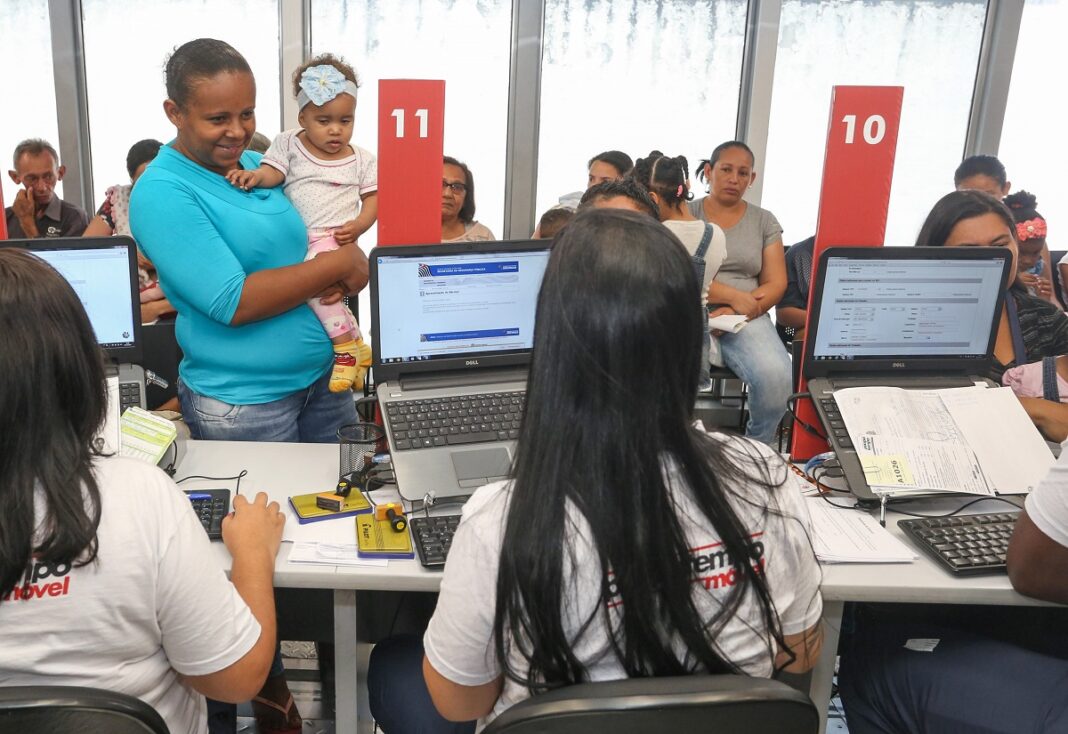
column 730, row 323
column 331, row 554
column 975, row 440
column 851, row 536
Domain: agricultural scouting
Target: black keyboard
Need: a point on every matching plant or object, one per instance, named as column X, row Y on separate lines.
column 965, row 544
column 835, row 425
column 129, row 396
column 433, row 538
column 423, row 424
column 211, row 506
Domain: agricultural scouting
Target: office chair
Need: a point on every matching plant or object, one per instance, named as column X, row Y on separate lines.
column 61, row 709
column 692, row 704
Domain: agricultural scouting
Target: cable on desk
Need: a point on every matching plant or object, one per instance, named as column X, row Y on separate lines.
column 238, row 477
column 824, row 490
column 790, row 401
column 170, row 468
column 966, row 505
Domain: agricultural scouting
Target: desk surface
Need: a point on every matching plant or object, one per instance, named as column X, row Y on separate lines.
column 281, row 470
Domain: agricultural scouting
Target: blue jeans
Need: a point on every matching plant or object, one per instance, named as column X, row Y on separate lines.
column 397, row 693
column 758, row 357
column 311, row 415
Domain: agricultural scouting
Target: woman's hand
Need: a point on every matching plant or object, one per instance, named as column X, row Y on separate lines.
column 721, row 311
column 244, row 179
column 1049, row 417
column 746, row 304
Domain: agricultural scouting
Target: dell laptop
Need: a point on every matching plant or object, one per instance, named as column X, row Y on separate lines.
column 452, row 329
column 911, row 317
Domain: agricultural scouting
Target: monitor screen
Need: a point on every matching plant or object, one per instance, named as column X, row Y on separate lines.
column 876, row 308
column 435, row 307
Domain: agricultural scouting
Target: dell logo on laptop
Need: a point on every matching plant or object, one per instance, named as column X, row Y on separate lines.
column 471, row 363
column 897, row 365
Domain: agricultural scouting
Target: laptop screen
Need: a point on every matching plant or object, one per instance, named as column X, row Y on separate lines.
column 436, row 307
column 102, row 272
column 904, row 311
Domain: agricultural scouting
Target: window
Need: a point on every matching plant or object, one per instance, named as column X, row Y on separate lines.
column 930, row 47
column 126, row 46
column 466, row 44
column 1030, row 140
column 635, row 77
column 30, row 102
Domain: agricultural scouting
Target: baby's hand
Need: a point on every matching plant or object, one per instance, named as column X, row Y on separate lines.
column 346, row 233
column 243, row 179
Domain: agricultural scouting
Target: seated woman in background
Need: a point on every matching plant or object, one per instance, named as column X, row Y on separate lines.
column 107, row 578
column 458, row 205
column 668, row 182
column 987, row 174
column 1031, row 328
column 550, row 580
column 1031, row 236
column 611, row 165
column 113, row 217
column 751, row 281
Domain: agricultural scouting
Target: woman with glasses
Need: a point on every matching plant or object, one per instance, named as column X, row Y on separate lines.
column 458, row 205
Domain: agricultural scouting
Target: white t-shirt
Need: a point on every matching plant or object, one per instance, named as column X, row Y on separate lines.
column 155, row 603
column 1047, row 505
column 459, row 640
column 326, row 193
column 690, row 234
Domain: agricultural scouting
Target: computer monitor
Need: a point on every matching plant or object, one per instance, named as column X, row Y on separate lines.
column 103, row 272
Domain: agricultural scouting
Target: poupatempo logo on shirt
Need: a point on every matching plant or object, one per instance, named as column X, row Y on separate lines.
column 41, row 580
column 712, row 568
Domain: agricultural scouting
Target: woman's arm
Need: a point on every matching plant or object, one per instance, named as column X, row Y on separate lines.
column 267, row 293
column 98, row 227
column 1049, row 417
column 772, row 277
column 460, row 703
column 806, row 648
column 741, row 302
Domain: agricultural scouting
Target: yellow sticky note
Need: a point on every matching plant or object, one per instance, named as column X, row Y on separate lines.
column 892, row 470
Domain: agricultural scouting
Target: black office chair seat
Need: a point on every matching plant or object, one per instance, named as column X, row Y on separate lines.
column 63, row 709
column 692, row 704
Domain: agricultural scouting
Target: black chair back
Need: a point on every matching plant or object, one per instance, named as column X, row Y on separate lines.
column 692, row 704
column 61, row 709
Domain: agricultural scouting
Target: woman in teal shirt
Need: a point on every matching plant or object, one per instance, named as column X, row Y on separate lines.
column 257, row 361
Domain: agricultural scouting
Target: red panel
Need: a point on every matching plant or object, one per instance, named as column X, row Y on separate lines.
column 855, row 196
column 411, row 132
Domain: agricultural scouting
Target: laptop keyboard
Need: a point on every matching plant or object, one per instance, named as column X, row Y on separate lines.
column 835, row 425
column 424, row 424
column 129, row 396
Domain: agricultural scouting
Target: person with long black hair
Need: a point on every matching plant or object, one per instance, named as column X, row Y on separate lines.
column 629, row 542
column 107, row 578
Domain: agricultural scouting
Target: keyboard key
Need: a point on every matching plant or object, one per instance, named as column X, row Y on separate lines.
column 472, row 437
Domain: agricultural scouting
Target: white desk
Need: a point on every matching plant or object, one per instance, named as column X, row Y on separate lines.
column 282, row 470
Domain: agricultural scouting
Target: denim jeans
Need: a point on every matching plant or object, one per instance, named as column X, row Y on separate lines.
column 397, row 694
column 758, row 357
column 311, row 415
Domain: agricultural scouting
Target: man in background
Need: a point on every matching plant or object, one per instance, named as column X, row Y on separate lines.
column 36, row 210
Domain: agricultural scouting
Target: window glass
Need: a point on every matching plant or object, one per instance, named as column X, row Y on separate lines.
column 25, row 43
column 1031, row 147
column 466, row 44
column 126, row 47
column 635, row 77
column 930, row 47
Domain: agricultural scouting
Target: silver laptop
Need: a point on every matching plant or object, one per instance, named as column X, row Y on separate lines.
column 103, row 272
column 911, row 317
column 452, row 331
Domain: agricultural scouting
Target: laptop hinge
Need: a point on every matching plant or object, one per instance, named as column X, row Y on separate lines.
column 463, row 378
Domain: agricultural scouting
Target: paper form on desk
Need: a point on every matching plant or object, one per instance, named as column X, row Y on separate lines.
column 909, row 442
column 851, row 536
column 1012, row 452
column 331, row 554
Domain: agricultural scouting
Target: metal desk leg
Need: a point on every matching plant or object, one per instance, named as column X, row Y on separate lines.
column 346, row 690
column 822, row 674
